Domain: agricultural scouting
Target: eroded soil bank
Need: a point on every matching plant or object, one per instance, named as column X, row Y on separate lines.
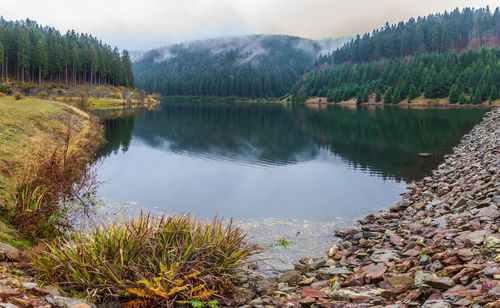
column 438, row 247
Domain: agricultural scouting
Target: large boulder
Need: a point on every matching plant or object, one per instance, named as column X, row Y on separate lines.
column 8, row 253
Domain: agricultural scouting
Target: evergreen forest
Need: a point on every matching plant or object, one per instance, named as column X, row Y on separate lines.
column 38, row 54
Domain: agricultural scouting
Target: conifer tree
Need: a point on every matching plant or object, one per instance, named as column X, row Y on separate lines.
column 388, row 96
column 413, row 93
column 454, row 94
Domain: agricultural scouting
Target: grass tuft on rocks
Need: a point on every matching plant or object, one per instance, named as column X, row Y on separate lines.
column 146, row 260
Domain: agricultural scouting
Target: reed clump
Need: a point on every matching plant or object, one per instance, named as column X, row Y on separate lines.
column 147, row 261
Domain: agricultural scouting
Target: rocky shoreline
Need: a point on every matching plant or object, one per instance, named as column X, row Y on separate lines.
column 438, row 247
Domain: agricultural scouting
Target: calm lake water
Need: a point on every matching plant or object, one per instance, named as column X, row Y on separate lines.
column 280, row 171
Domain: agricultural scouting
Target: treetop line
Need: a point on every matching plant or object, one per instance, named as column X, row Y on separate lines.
column 31, row 52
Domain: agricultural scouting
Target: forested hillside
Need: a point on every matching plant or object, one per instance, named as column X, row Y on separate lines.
column 250, row 66
column 473, row 76
column 423, row 56
column 457, row 30
column 30, row 52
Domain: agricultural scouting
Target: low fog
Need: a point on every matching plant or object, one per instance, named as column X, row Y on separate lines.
column 149, row 24
column 248, row 47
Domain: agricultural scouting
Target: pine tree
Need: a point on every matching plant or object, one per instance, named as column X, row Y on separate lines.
column 413, row 93
column 396, row 96
column 494, row 95
column 378, row 96
column 2, row 55
column 388, row 96
column 463, row 99
column 454, row 94
column 476, row 97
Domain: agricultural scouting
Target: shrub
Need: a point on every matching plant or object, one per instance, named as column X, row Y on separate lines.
column 18, row 95
column 5, row 88
column 154, row 261
column 27, row 87
column 54, row 179
column 83, row 100
column 116, row 95
column 2, row 94
column 43, row 94
column 99, row 91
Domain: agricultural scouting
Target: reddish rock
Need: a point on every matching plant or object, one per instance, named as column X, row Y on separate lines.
column 307, row 301
column 374, row 272
column 465, row 254
column 355, row 280
column 36, row 302
column 434, row 296
column 394, row 291
column 488, row 284
column 311, row 292
column 41, row 291
column 451, row 261
column 9, row 294
column 411, row 253
column 396, row 240
column 410, row 295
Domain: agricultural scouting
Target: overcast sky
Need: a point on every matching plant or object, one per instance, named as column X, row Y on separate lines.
column 144, row 24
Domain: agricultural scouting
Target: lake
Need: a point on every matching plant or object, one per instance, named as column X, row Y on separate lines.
column 292, row 171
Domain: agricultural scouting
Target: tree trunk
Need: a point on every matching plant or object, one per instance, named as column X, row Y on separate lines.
column 39, row 76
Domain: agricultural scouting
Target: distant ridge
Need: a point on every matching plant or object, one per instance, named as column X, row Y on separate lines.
column 244, row 66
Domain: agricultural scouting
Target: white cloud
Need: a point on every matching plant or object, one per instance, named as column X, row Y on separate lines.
column 151, row 23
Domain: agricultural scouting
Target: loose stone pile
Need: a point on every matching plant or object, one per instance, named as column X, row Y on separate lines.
column 17, row 289
column 438, row 247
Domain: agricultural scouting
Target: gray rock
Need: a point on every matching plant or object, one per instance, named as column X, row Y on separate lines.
column 495, row 291
column 460, row 202
column 419, row 277
column 442, row 221
column 29, row 285
column 384, row 255
column 436, row 266
column 329, row 272
column 8, row 252
column 314, row 265
column 442, row 283
column 66, row 302
column 436, row 303
column 491, row 270
column 291, row 277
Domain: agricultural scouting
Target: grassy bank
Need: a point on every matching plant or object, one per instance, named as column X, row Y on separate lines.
column 420, row 101
column 83, row 96
column 30, row 128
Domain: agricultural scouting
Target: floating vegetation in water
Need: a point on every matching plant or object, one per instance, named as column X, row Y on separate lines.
column 283, row 243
